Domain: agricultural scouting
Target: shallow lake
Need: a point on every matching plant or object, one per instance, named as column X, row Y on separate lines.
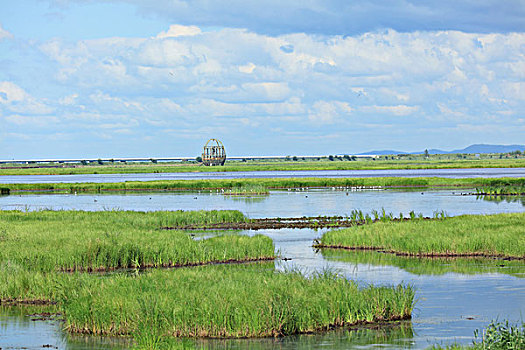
column 99, row 178
column 279, row 203
column 455, row 296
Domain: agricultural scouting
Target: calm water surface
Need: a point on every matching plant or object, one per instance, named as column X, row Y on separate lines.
column 99, row 178
column 455, row 297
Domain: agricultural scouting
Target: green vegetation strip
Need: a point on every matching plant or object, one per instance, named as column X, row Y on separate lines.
column 239, row 184
column 418, row 162
column 97, row 241
column 500, row 235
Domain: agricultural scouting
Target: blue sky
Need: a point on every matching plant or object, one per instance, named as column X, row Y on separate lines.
column 158, row 78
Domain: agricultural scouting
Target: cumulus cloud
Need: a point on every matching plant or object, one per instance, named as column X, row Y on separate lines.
column 245, row 85
column 176, row 30
column 16, row 100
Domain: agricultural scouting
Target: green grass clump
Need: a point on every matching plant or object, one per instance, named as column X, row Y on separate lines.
column 491, row 235
column 78, row 240
column 497, row 336
column 228, row 301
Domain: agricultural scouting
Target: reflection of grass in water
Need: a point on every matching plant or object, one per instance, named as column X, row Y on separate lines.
column 497, row 336
column 493, row 235
column 501, row 199
column 518, row 189
column 247, row 190
column 429, row 266
column 398, row 333
column 248, row 199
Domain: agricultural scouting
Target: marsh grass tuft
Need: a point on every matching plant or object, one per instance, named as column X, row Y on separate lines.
column 231, row 301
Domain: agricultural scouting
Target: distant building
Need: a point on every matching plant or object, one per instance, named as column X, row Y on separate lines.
column 214, row 153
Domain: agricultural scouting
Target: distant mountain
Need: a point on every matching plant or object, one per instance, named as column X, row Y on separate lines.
column 481, row 148
column 478, row 148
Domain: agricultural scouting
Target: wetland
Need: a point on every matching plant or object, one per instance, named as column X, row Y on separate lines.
column 453, row 297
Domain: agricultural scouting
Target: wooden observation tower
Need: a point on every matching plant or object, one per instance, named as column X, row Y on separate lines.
column 214, row 153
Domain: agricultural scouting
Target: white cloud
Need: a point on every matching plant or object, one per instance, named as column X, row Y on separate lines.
column 177, row 30
column 17, row 100
column 247, row 68
column 399, row 110
column 232, row 80
column 32, row 121
column 328, row 112
column 68, row 100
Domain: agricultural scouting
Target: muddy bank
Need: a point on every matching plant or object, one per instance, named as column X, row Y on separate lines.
column 281, row 223
column 422, row 255
column 169, row 265
column 34, row 302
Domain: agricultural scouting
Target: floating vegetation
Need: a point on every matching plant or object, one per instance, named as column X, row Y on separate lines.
column 498, row 235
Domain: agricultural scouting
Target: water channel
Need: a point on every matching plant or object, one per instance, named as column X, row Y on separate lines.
column 100, row 178
column 454, row 296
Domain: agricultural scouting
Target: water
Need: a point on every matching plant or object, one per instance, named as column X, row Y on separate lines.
column 21, row 329
column 100, row 178
column 455, row 297
column 277, row 204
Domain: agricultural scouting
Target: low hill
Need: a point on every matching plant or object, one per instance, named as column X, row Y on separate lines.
column 477, row 148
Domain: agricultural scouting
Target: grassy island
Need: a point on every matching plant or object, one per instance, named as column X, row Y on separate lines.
column 261, row 186
column 500, row 235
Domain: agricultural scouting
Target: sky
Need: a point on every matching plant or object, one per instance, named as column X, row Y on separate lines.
column 130, row 78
